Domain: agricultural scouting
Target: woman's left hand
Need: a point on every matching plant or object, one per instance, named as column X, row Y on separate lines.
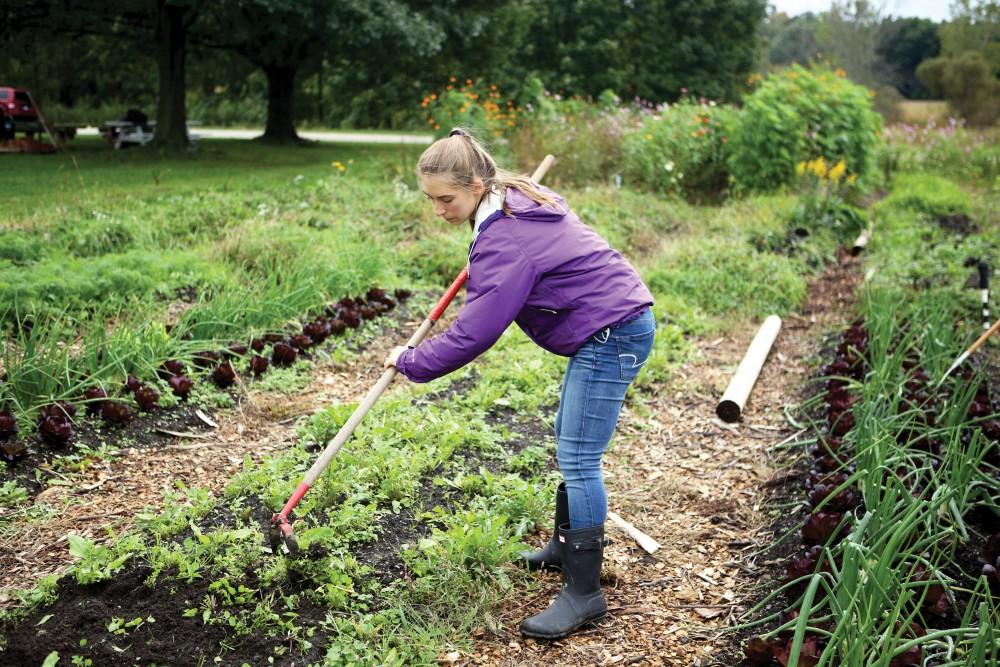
column 390, row 359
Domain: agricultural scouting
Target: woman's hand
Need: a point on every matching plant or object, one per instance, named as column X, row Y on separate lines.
column 390, row 359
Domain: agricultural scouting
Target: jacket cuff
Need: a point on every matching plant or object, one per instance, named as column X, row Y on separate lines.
column 402, row 361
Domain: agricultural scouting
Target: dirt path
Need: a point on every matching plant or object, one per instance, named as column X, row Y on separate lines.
column 693, row 484
column 108, row 495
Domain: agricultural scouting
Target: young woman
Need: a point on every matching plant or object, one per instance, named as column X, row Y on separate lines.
column 533, row 262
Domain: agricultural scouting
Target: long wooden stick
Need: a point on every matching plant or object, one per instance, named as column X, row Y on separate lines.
column 972, row 348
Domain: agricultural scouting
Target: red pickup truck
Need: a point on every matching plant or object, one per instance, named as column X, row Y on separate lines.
column 15, row 104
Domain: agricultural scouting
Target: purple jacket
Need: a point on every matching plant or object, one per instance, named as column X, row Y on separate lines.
column 544, row 269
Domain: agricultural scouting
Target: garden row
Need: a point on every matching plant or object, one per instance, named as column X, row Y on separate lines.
column 453, row 483
column 900, row 540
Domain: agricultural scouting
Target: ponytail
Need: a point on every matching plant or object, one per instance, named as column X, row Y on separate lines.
column 462, row 159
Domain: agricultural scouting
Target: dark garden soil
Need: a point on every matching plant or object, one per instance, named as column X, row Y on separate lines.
column 165, row 637
column 96, row 494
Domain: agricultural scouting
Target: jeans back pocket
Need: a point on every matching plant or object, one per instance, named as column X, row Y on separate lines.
column 633, row 351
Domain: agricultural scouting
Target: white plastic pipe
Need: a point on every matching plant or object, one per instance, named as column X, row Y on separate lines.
column 738, row 391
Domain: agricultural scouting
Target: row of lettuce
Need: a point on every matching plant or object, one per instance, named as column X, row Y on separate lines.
column 900, row 544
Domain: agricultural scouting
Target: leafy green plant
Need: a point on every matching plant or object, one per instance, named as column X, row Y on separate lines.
column 800, row 113
column 681, row 150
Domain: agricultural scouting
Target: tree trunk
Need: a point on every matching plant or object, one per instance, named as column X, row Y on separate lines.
column 171, row 112
column 280, row 127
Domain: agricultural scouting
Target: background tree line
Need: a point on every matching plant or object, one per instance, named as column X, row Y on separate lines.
column 282, row 62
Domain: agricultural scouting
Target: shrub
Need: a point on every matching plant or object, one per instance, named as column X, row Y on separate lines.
column 798, row 114
column 681, row 150
column 585, row 136
column 968, row 82
column 472, row 104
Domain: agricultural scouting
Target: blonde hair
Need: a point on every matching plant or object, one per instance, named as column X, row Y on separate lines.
column 462, row 159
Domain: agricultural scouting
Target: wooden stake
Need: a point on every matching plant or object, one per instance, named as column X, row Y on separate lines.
column 645, row 541
column 738, row 391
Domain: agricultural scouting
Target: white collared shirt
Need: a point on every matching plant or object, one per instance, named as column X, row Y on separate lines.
column 492, row 203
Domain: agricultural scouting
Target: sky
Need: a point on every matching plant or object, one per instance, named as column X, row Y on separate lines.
column 937, row 10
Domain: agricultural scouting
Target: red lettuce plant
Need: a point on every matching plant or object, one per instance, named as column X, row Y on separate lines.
column 181, row 385
column 823, row 526
column 8, row 424
column 115, row 412
column 257, row 344
column 54, row 424
column 283, row 355
column 171, row 367
column 402, row 294
column 206, row 359
column 318, row 330
column 300, row 342
column 146, row 398
column 224, row 375
column 95, row 399
column 258, row 365
column 132, row 383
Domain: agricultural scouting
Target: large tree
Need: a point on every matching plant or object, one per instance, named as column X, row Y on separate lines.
column 903, row 44
column 285, row 37
column 134, row 24
column 650, row 49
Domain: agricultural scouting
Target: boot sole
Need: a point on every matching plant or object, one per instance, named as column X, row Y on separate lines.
column 560, row 635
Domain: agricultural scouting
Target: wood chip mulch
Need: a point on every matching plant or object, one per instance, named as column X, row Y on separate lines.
column 695, row 484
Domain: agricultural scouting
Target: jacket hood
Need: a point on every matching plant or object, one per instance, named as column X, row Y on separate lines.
column 524, row 207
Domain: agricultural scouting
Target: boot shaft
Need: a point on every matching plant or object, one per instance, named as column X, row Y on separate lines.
column 582, row 552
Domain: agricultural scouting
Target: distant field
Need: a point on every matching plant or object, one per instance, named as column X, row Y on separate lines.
column 922, row 111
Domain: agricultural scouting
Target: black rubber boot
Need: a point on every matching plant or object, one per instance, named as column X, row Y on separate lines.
column 581, row 600
column 549, row 556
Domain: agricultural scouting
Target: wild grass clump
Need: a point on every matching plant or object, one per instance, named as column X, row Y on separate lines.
column 720, row 276
column 927, row 194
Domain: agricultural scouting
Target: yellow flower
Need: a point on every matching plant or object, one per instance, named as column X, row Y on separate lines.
column 649, row 137
column 840, row 72
column 800, row 168
column 850, row 179
column 339, row 165
column 837, row 171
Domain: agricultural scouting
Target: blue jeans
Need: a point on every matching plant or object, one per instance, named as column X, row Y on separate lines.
column 592, row 393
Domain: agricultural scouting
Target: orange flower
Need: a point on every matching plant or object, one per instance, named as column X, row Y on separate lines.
column 452, row 79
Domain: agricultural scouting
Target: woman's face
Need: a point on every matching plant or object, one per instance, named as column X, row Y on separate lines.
column 456, row 205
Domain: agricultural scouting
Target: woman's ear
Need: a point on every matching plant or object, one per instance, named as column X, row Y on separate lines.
column 478, row 187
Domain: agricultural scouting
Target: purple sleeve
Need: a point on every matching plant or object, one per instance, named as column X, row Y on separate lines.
column 500, row 280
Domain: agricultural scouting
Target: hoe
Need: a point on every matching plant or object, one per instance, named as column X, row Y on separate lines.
column 280, row 530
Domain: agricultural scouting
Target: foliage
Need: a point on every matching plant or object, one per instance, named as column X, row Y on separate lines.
column 587, row 135
column 681, row 149
column 823, row 204
column 967, row 82
column 798, row 114
column 950, row 148
column 475, row 105
column 927, row 194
